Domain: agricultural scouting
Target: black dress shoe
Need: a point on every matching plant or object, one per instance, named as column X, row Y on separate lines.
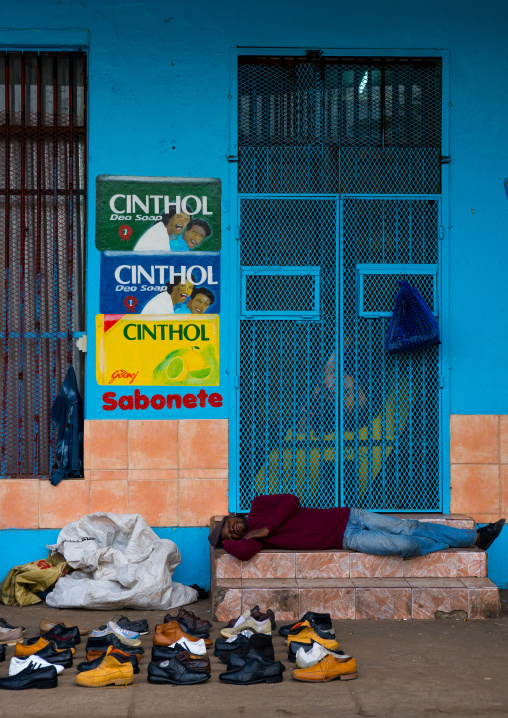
column 237, row 660
column 175, row 672
column 261, row 643
column 222, row 645
column 140, row 626
column 90, row 665
column 321, row 621
column 2, row 652
column 57, row 658
column 489, row 533
column 255, row 670
column 31, row 677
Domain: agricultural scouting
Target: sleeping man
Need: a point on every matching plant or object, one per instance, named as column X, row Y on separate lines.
column 278, row 521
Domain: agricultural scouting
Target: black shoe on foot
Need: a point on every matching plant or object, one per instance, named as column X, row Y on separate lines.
column 31, row 677
column 255, row 670
column 175, row 672
column 489, row 533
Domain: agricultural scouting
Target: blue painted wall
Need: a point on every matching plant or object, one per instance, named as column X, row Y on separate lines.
column 19, row 546
column 159, row 80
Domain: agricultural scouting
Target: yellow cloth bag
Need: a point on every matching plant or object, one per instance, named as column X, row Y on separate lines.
column 22, row 583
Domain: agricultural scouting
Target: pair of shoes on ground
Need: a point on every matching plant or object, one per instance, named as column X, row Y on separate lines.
column 320, row 665
column 252, row 661
column 256, row 614
column 304, row 634
column 191, row 624
column 9, row 635
column 39, row 644
column 167, row 634
column 114, row 669
column 247, row 622
column 140, row 626
column 177, row 667
column 321, row 621
column 46, row 625
column 32, row 672
column 97, row 646
column 129, row 638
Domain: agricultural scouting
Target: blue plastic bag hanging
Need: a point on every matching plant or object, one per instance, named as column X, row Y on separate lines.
column 412, row 326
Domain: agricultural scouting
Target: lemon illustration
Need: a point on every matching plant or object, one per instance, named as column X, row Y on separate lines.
column 175, row 368
column 201, row 373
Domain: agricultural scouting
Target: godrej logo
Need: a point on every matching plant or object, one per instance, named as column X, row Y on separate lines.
column 122, row 374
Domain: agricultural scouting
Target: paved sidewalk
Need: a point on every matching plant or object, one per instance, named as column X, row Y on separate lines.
column 406, row 669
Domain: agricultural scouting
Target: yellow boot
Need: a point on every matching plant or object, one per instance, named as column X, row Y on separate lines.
column 305, row 637
column 329, row 669
column 115, row 670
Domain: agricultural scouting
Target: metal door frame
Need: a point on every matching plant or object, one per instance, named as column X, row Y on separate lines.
column 233, row 259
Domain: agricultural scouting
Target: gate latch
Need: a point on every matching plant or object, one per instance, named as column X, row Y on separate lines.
column 232, row 158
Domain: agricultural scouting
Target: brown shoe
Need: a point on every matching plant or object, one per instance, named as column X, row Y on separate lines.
column 11, row 638
column 168, row 633
column 188, row 620
column 45, row 626
column 196, row 663
column 95, row 653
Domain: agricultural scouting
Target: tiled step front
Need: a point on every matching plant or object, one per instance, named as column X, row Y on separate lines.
column 355, row 585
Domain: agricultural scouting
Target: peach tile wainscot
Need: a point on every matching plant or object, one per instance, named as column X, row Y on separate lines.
column 174, row 473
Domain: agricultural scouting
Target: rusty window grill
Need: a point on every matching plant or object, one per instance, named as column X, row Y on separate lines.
column 42, row 221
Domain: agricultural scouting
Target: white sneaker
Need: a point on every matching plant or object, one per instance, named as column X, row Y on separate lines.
column 129, row 638
column 256, row 626
column 306, row 659
column 19, row 664
column 198, row 648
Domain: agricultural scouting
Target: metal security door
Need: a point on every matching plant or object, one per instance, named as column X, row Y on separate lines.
column 339, row 182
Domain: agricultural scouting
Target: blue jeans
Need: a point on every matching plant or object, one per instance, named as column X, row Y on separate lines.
column 388, row 536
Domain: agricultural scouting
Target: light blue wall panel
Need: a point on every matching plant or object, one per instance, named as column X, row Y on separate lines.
column 19, row 546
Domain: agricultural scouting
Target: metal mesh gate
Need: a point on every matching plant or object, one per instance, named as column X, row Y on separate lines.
column 42, row 219
column 337, row 160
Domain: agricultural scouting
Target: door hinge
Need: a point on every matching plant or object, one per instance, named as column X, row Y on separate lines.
column 441, row 381
column 237, row 233
column 232, row 158
column 445, row 160
column 81, row 343
column 237, row 382
column 441, row 232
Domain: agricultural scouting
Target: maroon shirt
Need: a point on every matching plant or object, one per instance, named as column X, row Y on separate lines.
column 291, row 527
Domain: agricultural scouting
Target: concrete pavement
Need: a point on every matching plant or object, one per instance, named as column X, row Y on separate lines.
column 406, row 668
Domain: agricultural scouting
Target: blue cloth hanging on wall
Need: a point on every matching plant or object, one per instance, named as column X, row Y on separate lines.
column 412, row 326
column 68, row 416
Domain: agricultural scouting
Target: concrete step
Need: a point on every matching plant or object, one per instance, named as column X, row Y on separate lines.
column 353, row 585
column 359, row 598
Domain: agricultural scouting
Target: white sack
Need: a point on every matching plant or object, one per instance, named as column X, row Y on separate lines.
column 120, row 562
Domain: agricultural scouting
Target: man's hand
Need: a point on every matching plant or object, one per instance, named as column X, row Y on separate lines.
column 257, row 533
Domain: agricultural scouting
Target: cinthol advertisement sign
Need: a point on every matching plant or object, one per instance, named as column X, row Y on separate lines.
column 157, row 350
column 158, row 214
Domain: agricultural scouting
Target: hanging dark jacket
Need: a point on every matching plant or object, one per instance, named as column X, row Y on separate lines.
column 67, row 414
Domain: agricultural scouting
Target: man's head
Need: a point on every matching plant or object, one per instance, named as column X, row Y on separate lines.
column 231, row 527
column 196, row 232
column 201, row 299
column 175, row 222
column 180, row 291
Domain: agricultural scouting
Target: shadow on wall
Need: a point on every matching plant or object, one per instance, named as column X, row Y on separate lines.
column 21, row 546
